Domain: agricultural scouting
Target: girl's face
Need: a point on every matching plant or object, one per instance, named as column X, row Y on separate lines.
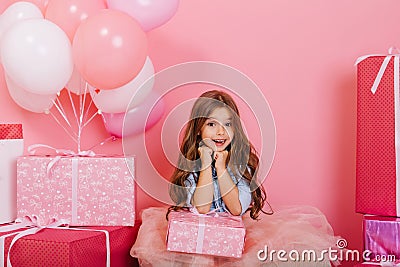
column 217, row 132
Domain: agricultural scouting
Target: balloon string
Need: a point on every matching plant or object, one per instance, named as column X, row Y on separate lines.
column 62, row 110
column 62, row 126
column 89, row 106
column 94, row 115
column 111, row 138
column 73, row 107
column 82, row 106
column 82, row 103
column 88, row 109
column 81, row 117
column 62, row 114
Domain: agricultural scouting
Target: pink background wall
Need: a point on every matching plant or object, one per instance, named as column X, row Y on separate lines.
column 301, row 54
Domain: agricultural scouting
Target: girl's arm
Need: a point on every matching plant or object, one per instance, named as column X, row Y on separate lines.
column 204, row 193
column 229, row 191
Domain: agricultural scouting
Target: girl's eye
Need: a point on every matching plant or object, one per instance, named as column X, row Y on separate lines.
column 228, row 124
column 211, row 124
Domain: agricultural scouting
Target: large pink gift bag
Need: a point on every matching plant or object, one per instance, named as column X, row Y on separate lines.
column 378, row 136
column 217, row 234
column 87, row 191
column 11, row 146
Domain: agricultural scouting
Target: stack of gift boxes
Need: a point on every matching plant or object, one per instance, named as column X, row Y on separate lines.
column 71, row 210
column 65, row 210
column 378, row 156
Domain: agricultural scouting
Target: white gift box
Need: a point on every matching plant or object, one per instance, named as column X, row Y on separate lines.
column 11, row 146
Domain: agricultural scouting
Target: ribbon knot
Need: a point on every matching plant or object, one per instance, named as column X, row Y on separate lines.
column 61, row 152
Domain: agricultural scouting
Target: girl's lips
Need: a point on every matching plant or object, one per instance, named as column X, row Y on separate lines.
column 219, row 142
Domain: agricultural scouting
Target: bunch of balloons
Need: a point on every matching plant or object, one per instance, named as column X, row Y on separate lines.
column 51, row 45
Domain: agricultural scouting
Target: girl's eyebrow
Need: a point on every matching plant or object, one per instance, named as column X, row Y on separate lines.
column 212, row 118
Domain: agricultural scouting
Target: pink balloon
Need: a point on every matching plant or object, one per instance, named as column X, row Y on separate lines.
column 149, row 13
column 41, row 4
column 137, row 120
column 68, row 14
column 109, row 49
column 120, row 99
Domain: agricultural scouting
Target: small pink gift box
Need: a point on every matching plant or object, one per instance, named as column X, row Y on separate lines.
column 217, row 234
column 87, row 191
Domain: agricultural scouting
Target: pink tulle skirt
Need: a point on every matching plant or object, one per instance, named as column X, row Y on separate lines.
column 290, row 229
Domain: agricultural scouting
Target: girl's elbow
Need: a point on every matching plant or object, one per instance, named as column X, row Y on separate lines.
column 236, row 211
column 202, row 209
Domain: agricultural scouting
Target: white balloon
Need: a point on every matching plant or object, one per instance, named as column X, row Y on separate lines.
column 118, row 100
column 27, row 100
column 17, row 12
column 37, row 55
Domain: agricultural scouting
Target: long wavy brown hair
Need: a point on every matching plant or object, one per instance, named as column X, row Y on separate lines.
column 242, row 157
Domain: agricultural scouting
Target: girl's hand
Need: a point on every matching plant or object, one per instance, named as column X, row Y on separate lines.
column 205, row 156
column 220, row 160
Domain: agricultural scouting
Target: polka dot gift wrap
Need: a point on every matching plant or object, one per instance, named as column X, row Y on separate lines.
column 66, row 247
column 377, row 187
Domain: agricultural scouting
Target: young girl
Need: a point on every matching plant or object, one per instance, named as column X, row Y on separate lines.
column 217, row 167
column 217, row 172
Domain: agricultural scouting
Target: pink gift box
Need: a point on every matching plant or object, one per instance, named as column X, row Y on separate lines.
column 377, row 184
column 84, row 190
column 218, row 234
column 382, row 237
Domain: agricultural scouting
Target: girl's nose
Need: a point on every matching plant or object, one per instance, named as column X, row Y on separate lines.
column 220, row 129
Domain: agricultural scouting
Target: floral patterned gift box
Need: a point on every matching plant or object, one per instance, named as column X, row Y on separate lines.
column 217, row 234
column 87, row 191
